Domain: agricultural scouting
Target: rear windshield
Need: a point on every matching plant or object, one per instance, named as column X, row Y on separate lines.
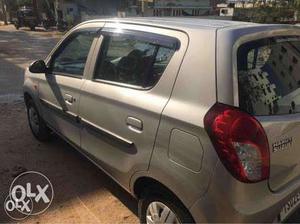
column 269, row 76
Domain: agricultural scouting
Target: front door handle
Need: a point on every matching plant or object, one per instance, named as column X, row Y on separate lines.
column 134, row 124
column 69, row 99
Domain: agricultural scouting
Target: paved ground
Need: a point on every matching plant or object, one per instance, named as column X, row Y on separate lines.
column 83, row 194
column 17, row 50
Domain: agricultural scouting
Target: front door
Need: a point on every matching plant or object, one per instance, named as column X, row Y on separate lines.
column 59, row 90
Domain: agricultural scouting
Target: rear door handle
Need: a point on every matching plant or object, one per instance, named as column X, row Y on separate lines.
column 69, row 99
column 134, row 124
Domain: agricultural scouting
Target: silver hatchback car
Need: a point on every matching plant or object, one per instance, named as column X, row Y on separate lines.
column 198, row 119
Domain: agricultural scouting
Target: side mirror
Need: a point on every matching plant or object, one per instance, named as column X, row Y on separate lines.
column 38, row 67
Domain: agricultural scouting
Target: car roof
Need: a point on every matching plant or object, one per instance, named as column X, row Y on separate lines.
column 178, row 22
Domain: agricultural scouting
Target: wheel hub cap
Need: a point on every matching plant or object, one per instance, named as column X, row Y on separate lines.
column 159, row 213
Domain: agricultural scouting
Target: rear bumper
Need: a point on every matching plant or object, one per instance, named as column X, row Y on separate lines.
column 229, row 200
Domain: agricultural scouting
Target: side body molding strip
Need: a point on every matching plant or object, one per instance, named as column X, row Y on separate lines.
column 87, row 123
column 103, row 131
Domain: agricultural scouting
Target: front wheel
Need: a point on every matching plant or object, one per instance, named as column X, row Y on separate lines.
column 159, row 208
column 37, row 125
column 45, row 25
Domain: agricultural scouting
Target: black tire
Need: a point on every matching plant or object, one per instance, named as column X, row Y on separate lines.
column 32, row 28
column 45, row 25
column 167, row 199
column 42, row 132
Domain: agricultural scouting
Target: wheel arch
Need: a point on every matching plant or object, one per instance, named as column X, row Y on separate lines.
column 142, row 183
column 149, row 185
column 27, row 97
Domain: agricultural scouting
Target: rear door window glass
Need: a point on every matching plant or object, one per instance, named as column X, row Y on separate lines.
column 134, row 58
column 268, row 76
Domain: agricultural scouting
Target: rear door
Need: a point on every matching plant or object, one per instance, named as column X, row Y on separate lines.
column 269, row 88
column 121, row 104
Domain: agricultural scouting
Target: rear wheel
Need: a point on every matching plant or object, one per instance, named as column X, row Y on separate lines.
column 162, row 207
column 37, row 125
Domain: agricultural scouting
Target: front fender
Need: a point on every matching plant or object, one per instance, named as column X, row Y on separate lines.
column 31, row 88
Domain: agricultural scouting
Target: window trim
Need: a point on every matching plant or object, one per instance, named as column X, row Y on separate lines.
column 145, row 36
column 63, row 44
column 122, row 84
column 140, row 34
column 66, row 75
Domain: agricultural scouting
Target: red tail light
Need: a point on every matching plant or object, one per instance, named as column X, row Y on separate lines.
column 240, row 142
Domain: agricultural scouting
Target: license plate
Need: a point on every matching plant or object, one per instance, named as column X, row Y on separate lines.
column 289, row 207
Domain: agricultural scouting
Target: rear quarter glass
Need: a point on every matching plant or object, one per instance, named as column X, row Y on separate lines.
column 268, row 76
